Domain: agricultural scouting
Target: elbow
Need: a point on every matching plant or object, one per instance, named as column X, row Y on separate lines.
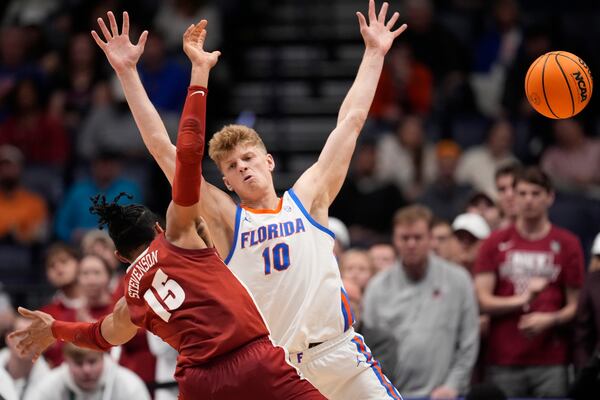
column 355, row 119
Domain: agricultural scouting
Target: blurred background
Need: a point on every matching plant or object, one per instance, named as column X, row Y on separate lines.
column 450, row 109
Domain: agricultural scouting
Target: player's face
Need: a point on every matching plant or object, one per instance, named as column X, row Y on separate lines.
column 86, row 371
column 247, row 170
column 61, row 269
column 412, row 241
column 532, row 200
column 93, row 277
column 506, row 195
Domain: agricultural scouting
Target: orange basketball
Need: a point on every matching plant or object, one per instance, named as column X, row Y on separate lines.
column 558, row 84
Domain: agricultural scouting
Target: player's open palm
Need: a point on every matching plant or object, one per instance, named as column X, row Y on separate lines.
column 193, row 46
column 378, row 34
column 121, row 53
column 36, row 338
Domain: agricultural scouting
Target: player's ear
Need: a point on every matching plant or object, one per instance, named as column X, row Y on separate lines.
column 121, row 258
column 227, row 185
column 270, row 162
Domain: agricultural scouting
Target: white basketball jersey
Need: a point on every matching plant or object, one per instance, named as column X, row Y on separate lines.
column 286, row 260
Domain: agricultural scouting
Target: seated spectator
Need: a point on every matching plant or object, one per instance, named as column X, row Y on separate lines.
column 382, row 344
column 405, row 86
column 356, row 266
column 443, row 242
column 406, row 159
column 342, row 236
column 93, row 279
column 587, row 318
column 62, row 269
column 97, row 242
column 470, row 230
column 574, row 161
column 88, row 374
column 429, row 305
column 382, row 255
column 73, row 217
column 366, row 203
column 7, row 313
column 478, row 164
column 40, row 136
column 23, row 214
column 23, row 373
column 505, row 180
column 482, row 204
column 7, row 391
column 445, row 196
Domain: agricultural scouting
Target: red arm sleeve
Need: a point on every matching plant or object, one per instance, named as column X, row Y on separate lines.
column 82, row 334
column 190, row 148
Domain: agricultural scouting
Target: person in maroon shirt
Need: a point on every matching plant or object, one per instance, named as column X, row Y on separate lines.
column 527, row 279
column 177, row 286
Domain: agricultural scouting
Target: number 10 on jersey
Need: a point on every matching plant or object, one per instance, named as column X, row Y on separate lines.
column 278, row 257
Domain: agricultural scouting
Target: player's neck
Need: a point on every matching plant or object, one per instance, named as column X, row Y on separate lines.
column 533, row 228
column 268, row 201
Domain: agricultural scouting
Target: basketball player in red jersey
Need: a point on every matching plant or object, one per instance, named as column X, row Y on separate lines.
column 177, row 287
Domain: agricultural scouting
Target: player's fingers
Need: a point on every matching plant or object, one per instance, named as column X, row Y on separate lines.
column 125, row 23
column 18, row 334
column 201, row 38
column 399, row 31
column 113, row 23
column 361, row 20
column 104, row 29
column 142, row 40
column 372, row 16
column 188, row 32
column 98, row 41
column 202, row 24
column 383, row 12
column 393, row 20
column 216, row 53
column 27, row 313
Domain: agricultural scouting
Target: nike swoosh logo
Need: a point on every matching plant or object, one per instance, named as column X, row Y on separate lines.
column 198, row 91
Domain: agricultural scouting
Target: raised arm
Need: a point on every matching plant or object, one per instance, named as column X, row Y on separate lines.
column 114, row 329
column 326, row 176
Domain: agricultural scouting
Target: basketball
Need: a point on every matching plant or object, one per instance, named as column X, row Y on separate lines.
column 558, row 84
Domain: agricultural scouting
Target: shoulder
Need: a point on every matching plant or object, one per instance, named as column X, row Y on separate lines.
column 53, row 380
column 500, row 235
column 564, row 235
column 130, row 383
column 457, row 273
column 381, row 281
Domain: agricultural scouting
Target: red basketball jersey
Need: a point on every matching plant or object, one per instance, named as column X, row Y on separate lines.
column 191, row 300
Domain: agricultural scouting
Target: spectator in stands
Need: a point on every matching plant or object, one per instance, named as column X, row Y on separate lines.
column 405, row 86
column 356, row 266
column 574, row 161
column 164, row 79
column 342, row 236
column 482, row 204
column 429, row 304
column 443, row 243
column 23, row 214
column 40, row 136
column 406, row 159
column 73, row 218
column 97, row 242
column 382, row 256
column 88, row 374
column 470, row 230
column 93, row 279
column 23, row 373
column 587, row 319
column 7, row 313
column 505, row 181
column 382, row 343
column 7, row 391
column 366, row 203
column 79, row 83
column 445, row 196
column 62, row 269
column 478, row 165
column 528, row 278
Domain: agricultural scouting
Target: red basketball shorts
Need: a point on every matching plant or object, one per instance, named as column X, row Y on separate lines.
column 255, row 371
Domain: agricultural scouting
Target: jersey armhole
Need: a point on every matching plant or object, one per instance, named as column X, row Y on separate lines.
column 238, row 216
column 307, row 214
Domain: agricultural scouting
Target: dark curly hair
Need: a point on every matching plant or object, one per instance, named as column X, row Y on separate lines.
column 129, row 226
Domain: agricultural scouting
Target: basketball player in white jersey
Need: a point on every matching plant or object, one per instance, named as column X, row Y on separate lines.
column 280, row 247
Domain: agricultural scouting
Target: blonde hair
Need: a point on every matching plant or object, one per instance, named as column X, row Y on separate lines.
column 412, row 214
column 229, row 137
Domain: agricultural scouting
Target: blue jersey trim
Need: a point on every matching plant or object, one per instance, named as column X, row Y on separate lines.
column 238, row 217
column 308, row 216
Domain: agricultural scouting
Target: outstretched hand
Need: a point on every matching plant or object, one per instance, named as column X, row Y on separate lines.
column 120, row 52
column 193, row 46
column 33, row 340
column 377, row 34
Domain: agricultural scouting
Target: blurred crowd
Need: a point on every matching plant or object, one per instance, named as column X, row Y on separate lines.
column 459, row 195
